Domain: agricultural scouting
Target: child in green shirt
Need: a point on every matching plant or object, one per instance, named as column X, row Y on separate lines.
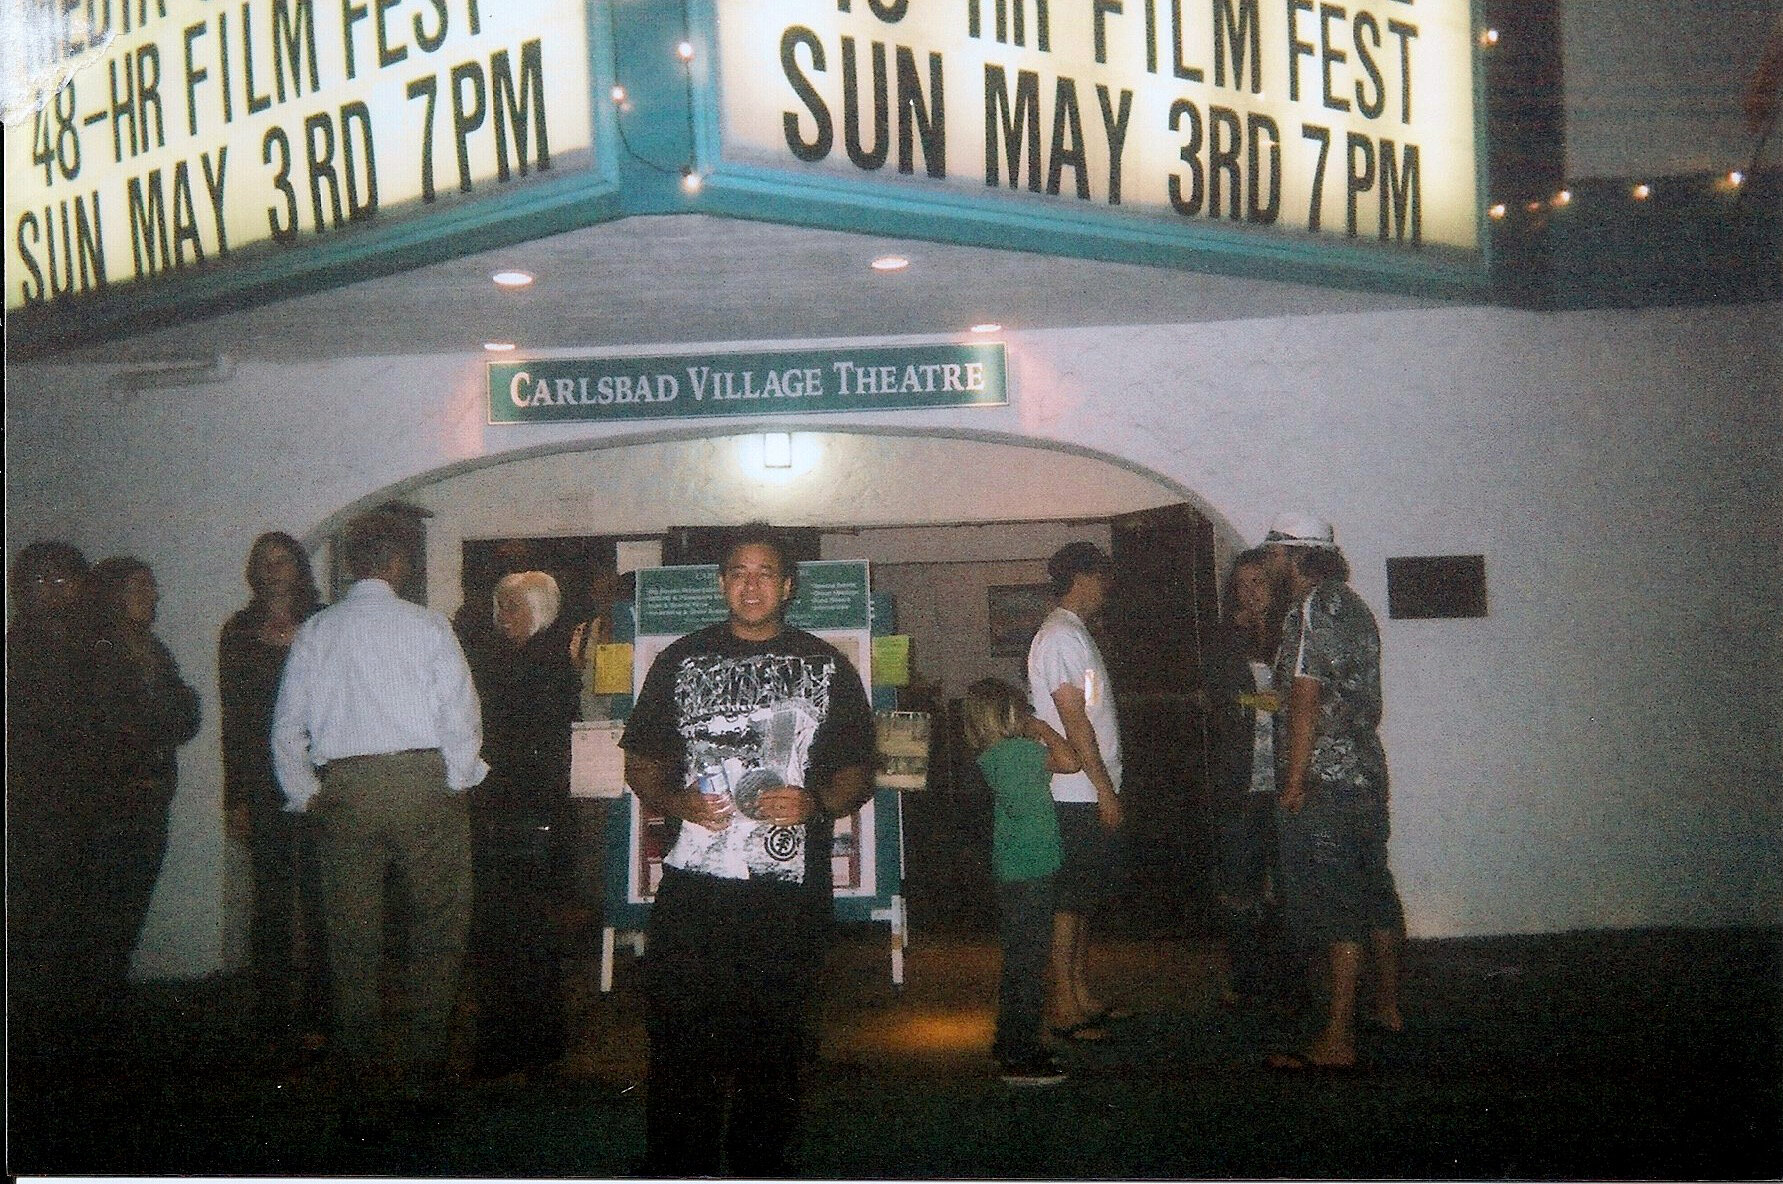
column 1018, row 755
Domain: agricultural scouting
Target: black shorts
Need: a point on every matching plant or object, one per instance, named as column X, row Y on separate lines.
column 1091, row 857
column 1335, row 882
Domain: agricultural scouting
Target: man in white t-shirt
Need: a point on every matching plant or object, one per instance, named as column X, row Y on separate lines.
column 1069, row 684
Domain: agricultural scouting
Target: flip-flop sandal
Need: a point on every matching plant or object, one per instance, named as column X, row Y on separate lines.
column 1089, row 1031
column 1293, row 1062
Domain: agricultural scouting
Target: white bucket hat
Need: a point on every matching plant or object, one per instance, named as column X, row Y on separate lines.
column 1300, row 530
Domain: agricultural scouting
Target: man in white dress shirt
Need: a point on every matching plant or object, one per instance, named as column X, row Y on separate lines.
column 376, row 735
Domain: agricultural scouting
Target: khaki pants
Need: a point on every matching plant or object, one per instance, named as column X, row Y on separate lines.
column 376, row 814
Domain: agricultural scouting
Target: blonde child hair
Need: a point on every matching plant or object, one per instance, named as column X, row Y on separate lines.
column 994, row 711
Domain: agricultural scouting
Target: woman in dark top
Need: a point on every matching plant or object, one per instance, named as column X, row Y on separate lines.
column 291, row 994
column 150, row 712
column 54, row 759
column 520, row 828
column 1241, row 706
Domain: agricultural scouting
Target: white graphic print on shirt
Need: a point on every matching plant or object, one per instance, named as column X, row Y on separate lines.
column 756, row 716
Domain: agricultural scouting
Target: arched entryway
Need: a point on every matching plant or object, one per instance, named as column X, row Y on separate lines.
column 957, row 529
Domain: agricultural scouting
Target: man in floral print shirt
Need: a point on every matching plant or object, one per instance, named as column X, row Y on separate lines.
column 1332, row 787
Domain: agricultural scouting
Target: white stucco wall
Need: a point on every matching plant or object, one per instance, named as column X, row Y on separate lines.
column 1602, row 750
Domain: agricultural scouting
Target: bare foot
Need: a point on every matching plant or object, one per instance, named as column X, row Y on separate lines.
column 1326, row 1053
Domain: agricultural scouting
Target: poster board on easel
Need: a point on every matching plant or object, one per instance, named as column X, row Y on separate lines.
column 832, row 601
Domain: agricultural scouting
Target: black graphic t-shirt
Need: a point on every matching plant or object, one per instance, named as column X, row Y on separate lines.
column 753, row 716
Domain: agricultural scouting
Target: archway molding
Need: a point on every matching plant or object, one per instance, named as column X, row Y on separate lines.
column 681, row 435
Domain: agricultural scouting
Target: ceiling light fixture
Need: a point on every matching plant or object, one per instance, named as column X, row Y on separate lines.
column 512, row 279
column 987, row 327
column 499, row 347
column 776, row 450
column 890, row 263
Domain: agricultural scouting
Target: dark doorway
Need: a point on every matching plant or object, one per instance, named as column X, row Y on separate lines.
column 585, row 568
column 1151, row 637
column 586, row 571
column 1165, row 595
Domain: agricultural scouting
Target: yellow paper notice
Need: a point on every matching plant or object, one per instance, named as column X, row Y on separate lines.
column 612, row 668
column 891, row 661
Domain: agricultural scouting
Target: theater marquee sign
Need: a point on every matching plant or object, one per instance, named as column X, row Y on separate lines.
column 191, row 134
column 1349, row 121
column 200, row 155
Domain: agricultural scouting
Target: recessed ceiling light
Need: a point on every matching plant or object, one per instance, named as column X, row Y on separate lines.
column 890, row 263
column 987, row 327
column 498, row 347
column 512, row 279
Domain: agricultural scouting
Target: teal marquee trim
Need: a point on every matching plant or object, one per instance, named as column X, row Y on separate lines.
column 1015, row 224
column 1482, row 147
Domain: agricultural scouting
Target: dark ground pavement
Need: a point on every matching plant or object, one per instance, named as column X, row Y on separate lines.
column 1612, row 1055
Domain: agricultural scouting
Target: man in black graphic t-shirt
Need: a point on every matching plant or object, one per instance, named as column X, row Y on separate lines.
column 755, row 736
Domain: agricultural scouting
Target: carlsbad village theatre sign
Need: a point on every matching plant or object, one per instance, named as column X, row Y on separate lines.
column 200, row 147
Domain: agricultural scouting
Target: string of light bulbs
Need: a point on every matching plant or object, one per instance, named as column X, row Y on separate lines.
column 622, row 104
column 1731, row 182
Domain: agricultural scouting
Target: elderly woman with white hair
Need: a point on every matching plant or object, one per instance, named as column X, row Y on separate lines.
column 521, row 822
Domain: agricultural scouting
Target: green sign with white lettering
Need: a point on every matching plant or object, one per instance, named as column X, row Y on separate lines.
column 677, row 386
column 831, row 594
